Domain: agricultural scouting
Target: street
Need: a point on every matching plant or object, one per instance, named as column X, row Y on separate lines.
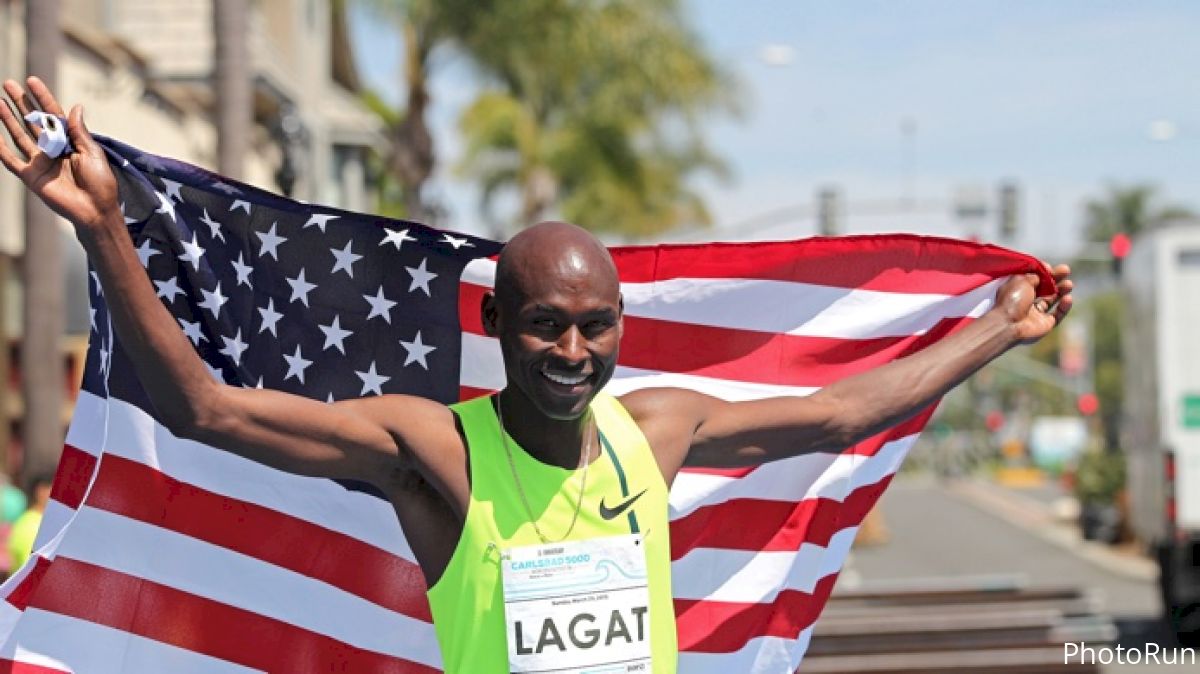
column 936, row 534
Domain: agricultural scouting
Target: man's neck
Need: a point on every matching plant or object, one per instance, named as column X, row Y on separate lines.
column 551, row 441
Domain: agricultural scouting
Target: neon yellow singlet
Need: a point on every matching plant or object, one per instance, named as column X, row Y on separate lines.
column 467, row 602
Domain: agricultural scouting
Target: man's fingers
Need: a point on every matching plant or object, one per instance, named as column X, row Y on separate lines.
column 18, row 97
column 44, row 98
column 78, row 132
column 1063, row 308
column 7, row 157
column 16, row 130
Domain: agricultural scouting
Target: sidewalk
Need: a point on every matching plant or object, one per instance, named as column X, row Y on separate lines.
column 1036, row 515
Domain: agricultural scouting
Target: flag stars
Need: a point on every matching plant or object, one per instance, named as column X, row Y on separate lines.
column 242, row 270
column 145, row 252
column 226, row 188
column 417, row 351
column 172, row 189
column 128, row 220
column 344, row 259
column 240, row 204
column 104, row 359
column 319, row 220
column 192, row 252
column 192, row 330
column 457, row 241
column 269, row 317
column 380, row 306
column 96, row 283
column 165, row 205
column 396, row 237
column 234, row 347
column 214, row 227
column 297, row 364
column 300, row 288
column 213, row 300
column 421, row 278
column 372, row 381
column 335, row 335
column 169, row 289
column 270, row 242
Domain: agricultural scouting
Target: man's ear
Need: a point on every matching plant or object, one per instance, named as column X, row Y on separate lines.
column 489, row 314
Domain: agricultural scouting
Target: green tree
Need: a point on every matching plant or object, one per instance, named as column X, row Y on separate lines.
column 424, row 25
column 1131, row 210
column 592, row 109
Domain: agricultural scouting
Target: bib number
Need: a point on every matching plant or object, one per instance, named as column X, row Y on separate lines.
column 579, row 607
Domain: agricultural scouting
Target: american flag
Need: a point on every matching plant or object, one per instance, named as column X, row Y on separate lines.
column 159, row 554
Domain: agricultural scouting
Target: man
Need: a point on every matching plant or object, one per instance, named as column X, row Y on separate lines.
column 538, row 515
column 24, row 529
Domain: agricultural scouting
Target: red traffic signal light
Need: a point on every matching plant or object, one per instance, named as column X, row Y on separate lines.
column 1088, row 404
column 1119, row 245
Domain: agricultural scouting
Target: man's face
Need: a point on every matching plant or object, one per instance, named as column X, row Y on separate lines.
column 559, row 331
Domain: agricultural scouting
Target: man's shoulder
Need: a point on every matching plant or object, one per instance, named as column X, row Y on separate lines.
column 648, row 403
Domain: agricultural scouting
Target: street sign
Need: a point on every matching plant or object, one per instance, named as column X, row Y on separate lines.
column 1191, row 410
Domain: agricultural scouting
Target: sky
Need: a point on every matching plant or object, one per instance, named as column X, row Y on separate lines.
column 906, row 108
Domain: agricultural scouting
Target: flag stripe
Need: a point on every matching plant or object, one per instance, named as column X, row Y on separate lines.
column 791, row 612
column 898, row 263
column 768, row 655
column 812, row 310
column 132, row 490
column 81, row 646
column 201, row 569
column 135, row 435
column 767, row 526
column 75, row 470
column 169, row 615
column 751, row 576
column 17, row 667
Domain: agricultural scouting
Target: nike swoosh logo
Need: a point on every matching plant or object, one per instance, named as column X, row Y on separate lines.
column 609, row 513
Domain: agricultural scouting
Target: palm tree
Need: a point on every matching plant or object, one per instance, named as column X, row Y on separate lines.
column 43, row 321
column 592, row 110
column 1129, row 210
column 424, row 25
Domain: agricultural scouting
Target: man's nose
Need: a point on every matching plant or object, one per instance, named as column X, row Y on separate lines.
column 571, row 346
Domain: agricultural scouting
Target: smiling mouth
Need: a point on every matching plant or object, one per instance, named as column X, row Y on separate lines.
column 565, row 379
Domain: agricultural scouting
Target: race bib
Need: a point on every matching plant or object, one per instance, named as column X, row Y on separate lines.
column 578, row 607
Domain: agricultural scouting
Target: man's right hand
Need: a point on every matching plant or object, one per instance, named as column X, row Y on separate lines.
column 81, row 186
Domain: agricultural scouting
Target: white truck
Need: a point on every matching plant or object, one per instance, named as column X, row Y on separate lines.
column 1161, row 423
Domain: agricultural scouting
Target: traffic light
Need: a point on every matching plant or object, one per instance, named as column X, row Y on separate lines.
column 1087, row 404
column 1008, row 211
column 1119, row 246
column 828, row 216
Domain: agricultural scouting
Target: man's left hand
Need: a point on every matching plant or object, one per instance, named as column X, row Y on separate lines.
column 1033, row 317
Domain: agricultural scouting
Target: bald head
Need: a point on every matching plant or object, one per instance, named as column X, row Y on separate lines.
column 556, row 311
column 553, row 253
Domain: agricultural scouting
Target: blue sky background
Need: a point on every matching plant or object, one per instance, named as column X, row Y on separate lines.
column 1057, row 96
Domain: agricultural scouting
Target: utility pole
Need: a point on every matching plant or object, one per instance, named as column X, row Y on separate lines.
column 828, row 212
column 43, row 377
column 231, row 85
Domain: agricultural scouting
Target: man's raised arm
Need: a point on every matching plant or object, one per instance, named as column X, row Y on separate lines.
column 688, row 428
column 351, row 439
